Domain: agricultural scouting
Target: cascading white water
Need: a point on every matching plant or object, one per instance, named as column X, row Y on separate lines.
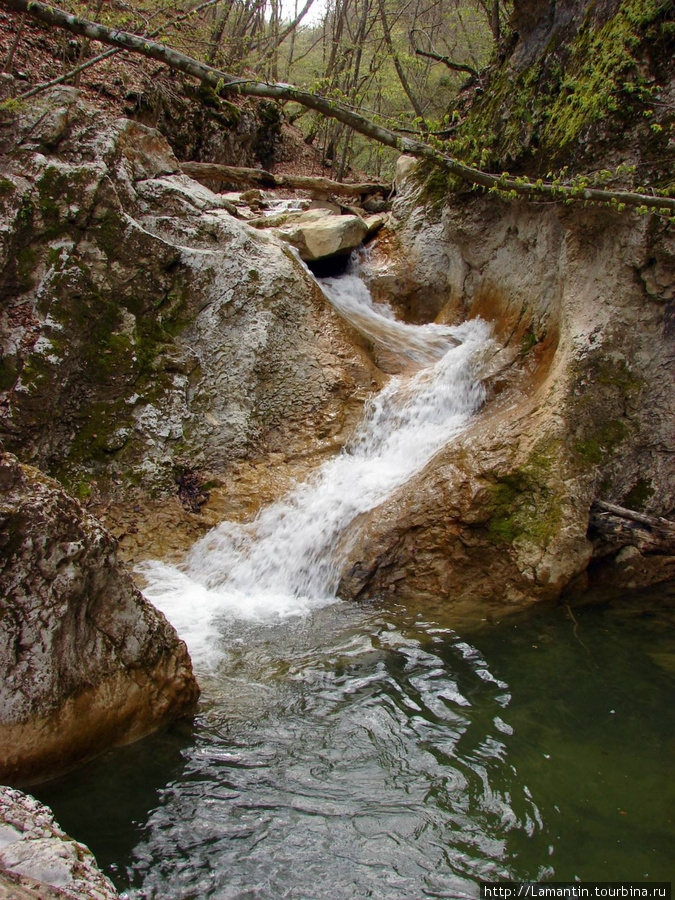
column 422, row 344
column 287, row 561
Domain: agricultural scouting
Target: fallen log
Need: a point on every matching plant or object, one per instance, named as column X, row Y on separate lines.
column 210, row 172
column 619, row 526
column 656, row 522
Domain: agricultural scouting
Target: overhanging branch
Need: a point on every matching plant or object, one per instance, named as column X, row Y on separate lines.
column 223, row 82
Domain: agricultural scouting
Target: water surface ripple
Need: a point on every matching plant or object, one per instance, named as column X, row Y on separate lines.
column 350, row 764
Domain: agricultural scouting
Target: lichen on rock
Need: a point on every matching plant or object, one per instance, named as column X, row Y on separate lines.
column 141, row 322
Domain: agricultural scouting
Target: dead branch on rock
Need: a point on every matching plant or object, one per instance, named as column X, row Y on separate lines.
column 621, row 527
column 210, row 172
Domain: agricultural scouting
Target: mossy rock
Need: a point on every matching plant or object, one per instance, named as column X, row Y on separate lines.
column 607, row 72
column 526, row 503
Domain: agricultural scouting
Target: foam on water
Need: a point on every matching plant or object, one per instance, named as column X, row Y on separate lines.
column 287, row 561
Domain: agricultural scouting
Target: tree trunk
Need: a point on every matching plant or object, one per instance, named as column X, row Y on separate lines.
column 209, row 172
column 494, row 21
column 85, row 46
column 397, row 63
column 15, row 43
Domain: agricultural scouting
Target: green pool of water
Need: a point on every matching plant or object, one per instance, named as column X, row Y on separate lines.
column 370, row 752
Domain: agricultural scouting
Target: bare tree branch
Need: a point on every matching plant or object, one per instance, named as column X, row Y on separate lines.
column 431, row 54
column 397, row 62
column 281, row 37
column 221, row 81
column 456, row 67
column 620, row 527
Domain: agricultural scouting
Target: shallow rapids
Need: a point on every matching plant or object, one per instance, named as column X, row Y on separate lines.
column 287, row 561
column 422, row 344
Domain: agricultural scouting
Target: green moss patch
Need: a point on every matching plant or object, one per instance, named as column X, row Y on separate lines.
column 603, row 73
column 639, row 495
column 600, row 443
column 523, row 504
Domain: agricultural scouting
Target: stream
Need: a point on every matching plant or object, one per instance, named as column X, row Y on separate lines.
column 350, row 751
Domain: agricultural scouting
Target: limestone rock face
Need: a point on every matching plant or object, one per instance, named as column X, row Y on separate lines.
column 318, row 235
column 405, row 166
column 145, row 331
column 582, row 301
column 38, row 860
column 87, row 662
column 200, row 125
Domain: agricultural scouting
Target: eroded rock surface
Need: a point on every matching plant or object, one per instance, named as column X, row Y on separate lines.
column 144, row 330
column 87, row 662
column 38, row 860
column 583, row 300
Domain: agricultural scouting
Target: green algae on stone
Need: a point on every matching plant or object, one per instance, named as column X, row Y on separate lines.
column 526, row 504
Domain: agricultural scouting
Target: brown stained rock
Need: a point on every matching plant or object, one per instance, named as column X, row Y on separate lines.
column 87, row 662
column 499, row 519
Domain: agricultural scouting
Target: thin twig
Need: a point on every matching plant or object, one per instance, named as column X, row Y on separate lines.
column 576, row 628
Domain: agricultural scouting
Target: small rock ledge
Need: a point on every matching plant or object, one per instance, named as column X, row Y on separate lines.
column 38, row 860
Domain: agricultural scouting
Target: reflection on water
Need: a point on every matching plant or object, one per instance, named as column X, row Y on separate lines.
column 371, row 753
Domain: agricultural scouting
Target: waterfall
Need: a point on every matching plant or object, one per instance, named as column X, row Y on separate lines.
column 287, row 561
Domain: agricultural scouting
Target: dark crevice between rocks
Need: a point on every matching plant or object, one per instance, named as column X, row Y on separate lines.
column 191, row 490
column 329, row 266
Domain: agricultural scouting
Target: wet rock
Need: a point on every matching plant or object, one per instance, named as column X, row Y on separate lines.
column 38, row 860
column 405, row 166
column 375, row 205
column 87, row 662
column 583, row 410
column 317, row 235
column 374, row 224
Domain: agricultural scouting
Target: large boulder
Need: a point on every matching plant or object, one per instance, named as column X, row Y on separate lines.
column 145, row 331
column 38, row 861
column 87, row 662
column 317, row 234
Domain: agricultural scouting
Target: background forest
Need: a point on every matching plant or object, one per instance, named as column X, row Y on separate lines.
column 403, row 64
